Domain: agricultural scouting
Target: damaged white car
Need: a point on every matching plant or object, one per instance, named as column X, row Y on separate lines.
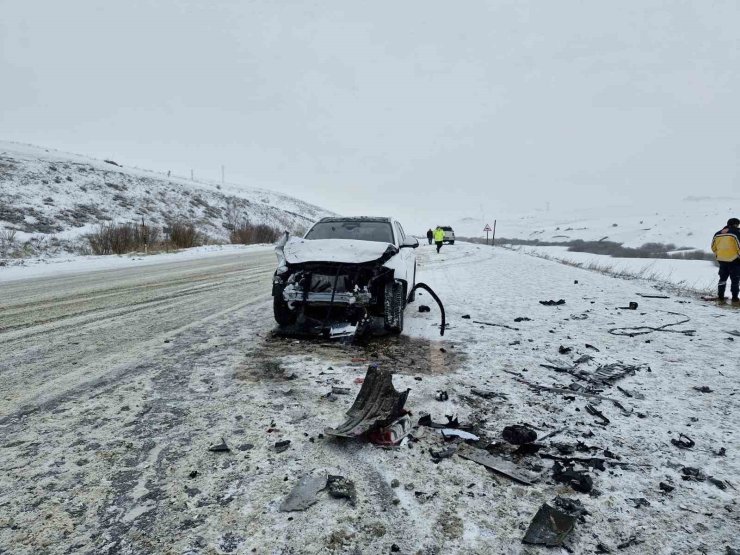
column 343, row 274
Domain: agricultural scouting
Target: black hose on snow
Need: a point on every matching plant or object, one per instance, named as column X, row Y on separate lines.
column 436, row 298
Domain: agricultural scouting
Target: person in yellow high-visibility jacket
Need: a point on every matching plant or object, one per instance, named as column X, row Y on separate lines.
column 439, row 237
column 726, row 248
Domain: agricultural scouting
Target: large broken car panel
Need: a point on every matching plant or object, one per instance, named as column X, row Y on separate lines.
column 377, row 405
column 320, row 282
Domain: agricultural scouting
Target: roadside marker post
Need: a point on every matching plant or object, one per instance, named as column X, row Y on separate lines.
column 493, row 237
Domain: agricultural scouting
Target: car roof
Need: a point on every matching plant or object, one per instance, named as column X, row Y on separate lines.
column 356, row 219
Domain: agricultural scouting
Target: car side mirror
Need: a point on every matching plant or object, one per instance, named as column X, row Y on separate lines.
column 410, row 243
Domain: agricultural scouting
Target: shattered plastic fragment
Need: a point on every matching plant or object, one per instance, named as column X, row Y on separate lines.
column 220, row 447
column 449, row 432
column 683, row 442
column 377, row 405
column 553, row 303
column 303, row 494
column 553, row 522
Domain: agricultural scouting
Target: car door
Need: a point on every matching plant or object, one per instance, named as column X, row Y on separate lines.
column 408, row 257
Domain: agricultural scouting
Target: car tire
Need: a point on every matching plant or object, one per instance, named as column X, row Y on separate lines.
column 284, row 316
column 452, row 242
column 394, row 305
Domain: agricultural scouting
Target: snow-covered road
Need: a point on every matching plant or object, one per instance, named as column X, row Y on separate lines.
column 115, row 384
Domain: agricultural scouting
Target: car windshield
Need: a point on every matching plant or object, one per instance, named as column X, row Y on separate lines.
column 352, row 229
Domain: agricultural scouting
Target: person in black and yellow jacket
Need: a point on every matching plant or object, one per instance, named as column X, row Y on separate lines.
column 726, row 248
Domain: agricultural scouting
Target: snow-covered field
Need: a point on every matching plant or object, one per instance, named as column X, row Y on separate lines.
column 696, row 275
column 689, row 222
column 110, row 453
column 54, row 198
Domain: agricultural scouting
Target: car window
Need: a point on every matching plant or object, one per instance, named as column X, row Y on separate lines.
column 401, row 234
column 352, row 229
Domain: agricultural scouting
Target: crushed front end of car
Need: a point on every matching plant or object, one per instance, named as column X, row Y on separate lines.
column 331, row 287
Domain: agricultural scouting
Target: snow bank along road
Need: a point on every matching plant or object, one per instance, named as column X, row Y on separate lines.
column 114, row 385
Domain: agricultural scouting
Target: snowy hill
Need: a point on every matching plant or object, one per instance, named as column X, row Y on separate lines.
column 690, row 222
column 53, row 199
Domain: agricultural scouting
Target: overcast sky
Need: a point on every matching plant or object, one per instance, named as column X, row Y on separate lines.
column 428, row 110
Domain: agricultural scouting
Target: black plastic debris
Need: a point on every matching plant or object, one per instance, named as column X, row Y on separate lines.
column 608, row 374
column 553, row 522
column 438, row 455
column 466, row 316
column 377, row 405
column 593, row 411
column 304, row 493
column 683, row 442
column 721, row 484
column 452, row 422
column 553, row 303
column 342, row 488
column 721, row 452
column 441, row 395
column 193, row 474
column 245, row 447
column 579, row 480
column 703, row 389
column 639, row 502
column 629, row 542
column 522, row 319
column 564, row 350
column 666, row 487
column 281, row 446
column 632, row 306
column 424, row 308
column 220, row 447
column 518, row 434
column 340, row 390
column 589, row 346
column 487, row 394
column 497, row 464
column 692, row 474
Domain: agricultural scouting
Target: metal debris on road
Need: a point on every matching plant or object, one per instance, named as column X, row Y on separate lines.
column 497, row 464
column 553, row 522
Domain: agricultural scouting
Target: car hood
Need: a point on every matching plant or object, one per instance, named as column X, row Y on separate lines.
column 342, row 251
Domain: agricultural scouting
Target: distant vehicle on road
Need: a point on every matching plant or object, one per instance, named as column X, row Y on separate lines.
column 449, row 234
column 343, row 273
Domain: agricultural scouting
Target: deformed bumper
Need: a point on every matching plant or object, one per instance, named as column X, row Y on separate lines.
column 359, row 298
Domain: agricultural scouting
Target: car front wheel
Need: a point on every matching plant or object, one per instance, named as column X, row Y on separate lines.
column 284, row 316
column 394, row 305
